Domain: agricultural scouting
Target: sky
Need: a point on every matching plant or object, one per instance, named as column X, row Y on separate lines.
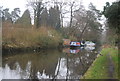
column 11, row 4
column 22, row 3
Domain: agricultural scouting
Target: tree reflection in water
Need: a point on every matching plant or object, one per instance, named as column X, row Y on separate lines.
column 17, row 73
column 47, row 65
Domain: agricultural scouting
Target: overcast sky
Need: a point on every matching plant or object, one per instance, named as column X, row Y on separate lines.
column 22, row 3
column 11, row 4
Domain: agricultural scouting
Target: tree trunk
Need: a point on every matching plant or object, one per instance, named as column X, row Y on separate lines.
column 81, row 35
column 71, row 16
column 39, row 9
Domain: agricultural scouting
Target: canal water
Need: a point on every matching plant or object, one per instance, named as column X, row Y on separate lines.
column 48, row 64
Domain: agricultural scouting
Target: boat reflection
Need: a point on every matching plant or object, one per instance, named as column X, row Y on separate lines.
column 73, row 51
column 76, row 50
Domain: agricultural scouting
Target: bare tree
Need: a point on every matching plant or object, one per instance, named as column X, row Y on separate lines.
column 37, row 6
column 62, row 10
column 71, row 13
column 85, row 20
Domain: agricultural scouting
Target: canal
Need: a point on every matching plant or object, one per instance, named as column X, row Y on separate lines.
column 48, row 64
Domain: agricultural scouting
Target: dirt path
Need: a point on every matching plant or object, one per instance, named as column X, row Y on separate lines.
column 111, row 68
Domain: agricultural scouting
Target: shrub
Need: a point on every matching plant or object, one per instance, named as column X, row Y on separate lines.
column 31, row 37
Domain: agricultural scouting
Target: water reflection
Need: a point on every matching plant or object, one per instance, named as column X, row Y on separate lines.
column 73, row 51
column 51, row 64
column 17, row 73
column 89, row 48
column 78, row 49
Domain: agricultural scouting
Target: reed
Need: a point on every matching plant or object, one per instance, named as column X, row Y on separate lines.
column 44, row 37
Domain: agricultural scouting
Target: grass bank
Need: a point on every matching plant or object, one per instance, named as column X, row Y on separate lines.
column 30, row 38
column 100, row 67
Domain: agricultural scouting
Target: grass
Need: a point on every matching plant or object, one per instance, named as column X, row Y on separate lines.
column 30, row 37
column 99, row 69
column 114, row 55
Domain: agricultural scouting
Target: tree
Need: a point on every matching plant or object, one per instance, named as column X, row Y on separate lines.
column 37, row 7
column 85, row 21
column 1, row 13
column 6, row 18
column 71, row 13
column 54, row 17
column 73, row 8
column 44, row 18
column 15, row 14
column 112, row 13
column 7, row 15
column 62, row 10
column 39, row 10
column 58, row 25
column 25, row 20
column 96, row 12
